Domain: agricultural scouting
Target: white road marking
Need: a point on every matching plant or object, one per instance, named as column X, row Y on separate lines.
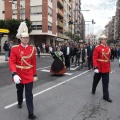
column 49, row 71
column 43, row 68
column 74, row 68
column 50, row 88
column 50, row 66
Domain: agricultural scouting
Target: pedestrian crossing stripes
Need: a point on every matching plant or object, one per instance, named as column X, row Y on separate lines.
column 49, row 71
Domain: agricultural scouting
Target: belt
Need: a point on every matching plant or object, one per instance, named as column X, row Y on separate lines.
column 103, row 60
column 23, row 67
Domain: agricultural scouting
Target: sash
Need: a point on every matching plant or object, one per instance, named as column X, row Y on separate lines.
column 103, row 53
column 29, row 56
column 57, row 54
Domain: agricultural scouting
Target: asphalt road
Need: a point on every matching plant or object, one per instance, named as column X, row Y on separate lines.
column 65, row 97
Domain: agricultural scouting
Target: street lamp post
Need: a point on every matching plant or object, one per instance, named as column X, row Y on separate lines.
column 20, row 8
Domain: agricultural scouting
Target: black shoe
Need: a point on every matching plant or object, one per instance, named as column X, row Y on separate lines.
column 93, row 93
column 107, row 99
column 32, row 117
column 19, row 106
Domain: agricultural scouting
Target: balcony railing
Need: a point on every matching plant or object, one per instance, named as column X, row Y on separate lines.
column 61, row 2
column 60, row 12
column 60, row 24
column 62, row 36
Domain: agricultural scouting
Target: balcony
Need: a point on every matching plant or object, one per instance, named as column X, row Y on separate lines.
column 60, row 3
column 62, row 36
column 59, row 12
column 60, row 24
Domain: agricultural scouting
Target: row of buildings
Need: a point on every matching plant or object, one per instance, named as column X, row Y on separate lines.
column 112, row 29
column 50, row 18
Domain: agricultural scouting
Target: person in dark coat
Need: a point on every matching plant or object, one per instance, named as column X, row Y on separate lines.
column 90, row 50
column 6, row 48
column 58, row 66
column 67, row 55
column 38, row 51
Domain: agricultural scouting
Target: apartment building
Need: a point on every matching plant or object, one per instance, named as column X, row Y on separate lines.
column 76, row 5
column 42, row 13
column 82, row 27
column 63, row 16
column 49, row 18
column 117, row 22
column 110, row 29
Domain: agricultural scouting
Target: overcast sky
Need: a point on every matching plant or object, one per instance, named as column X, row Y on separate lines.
column 100, row 10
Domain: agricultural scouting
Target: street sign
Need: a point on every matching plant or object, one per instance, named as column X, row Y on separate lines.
column 4, row 31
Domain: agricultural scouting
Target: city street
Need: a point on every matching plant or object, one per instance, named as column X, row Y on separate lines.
column 65, row 97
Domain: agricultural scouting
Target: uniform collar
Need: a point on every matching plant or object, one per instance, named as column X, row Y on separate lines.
column 24, row 46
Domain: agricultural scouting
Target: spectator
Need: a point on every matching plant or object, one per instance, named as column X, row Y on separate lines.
column 6, row 48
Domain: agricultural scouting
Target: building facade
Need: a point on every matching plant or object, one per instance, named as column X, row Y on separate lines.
column 110, row 30
column 82, row 28
column 49, row 18
column 117, row 22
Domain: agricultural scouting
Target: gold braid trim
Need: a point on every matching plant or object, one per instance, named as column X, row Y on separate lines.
column 29, row 56
column 105, row 55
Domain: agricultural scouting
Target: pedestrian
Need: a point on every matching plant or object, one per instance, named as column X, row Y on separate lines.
column 81, row 53
column 10, row 46
column 6, row 48
column 47, row 47
column 112, row 53
column 67, row 55
column 43, row 46
column 50, row 49
column 101, row 63
column 90, row 50
column 38, row 51
column 23, row 67
column 57, row 66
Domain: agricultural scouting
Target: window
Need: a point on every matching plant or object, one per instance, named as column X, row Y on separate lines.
column 36, row 10
column 22, row 11
column 49, row 11
column 14, row 12
column 37, row 25
column 49, row 26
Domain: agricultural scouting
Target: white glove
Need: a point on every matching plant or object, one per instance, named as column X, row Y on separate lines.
column 16, row 79
column 96, row 70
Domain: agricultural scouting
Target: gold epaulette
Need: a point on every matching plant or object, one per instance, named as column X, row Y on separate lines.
column 15, row 46
column 97, row 45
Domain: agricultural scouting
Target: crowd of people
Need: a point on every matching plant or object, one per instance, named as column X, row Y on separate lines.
column 79, row 54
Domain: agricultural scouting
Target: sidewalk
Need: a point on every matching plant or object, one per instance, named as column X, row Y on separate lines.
column 2, row 58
